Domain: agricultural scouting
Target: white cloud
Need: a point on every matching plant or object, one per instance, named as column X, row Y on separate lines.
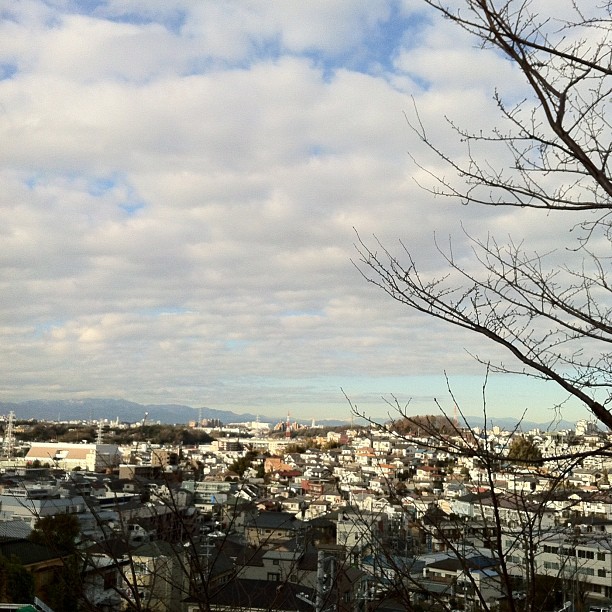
column 181, row 181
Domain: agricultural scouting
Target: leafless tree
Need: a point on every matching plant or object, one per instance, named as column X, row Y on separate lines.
column 550, row 311
column 528, row 538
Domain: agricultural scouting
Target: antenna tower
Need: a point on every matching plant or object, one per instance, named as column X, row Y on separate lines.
column 8, row 445
column 288, row 427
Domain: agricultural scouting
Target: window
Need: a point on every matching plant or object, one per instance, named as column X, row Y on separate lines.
column 110, row 580
column 273, row 577
column 601, row 556
column 275, row 562
column 551, row 565
column 601, row 573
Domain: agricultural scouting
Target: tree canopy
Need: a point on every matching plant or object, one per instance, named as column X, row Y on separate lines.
column 58, row 532
column 524, row 450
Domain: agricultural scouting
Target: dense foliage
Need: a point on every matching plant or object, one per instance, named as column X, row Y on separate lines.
column 154, row 433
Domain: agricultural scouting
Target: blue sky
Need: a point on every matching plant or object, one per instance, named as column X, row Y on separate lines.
column 182, row 182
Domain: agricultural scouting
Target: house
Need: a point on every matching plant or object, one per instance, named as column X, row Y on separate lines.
column 271, row 527
column 356, row 531
column 45, row 566
column 282, row 563
column 28, row 504
column 101, row 581
column 257, row 596
column 159, row 574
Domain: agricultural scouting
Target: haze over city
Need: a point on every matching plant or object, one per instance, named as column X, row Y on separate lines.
column 182, row 186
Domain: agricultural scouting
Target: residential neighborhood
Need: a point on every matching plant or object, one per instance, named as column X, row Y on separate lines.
column 365, row 518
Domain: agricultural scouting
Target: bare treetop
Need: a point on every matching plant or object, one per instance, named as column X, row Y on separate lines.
column 551, row 311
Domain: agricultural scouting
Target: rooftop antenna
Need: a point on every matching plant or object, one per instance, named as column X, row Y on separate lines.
column 200, row 417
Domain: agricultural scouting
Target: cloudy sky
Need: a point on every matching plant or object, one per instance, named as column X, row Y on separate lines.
column 181, row 185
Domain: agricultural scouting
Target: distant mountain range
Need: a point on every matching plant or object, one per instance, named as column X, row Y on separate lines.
column 509, row 424
column 131, row 412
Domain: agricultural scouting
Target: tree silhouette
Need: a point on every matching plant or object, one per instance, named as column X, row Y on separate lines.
column 551, row 312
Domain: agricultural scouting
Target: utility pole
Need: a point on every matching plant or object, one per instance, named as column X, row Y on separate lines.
column 323, row 586
column 320, row 581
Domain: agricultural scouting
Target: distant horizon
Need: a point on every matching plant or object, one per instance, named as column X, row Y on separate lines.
column 505, row 396
column 224, row 414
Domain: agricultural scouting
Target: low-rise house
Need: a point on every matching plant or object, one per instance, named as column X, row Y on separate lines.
column 44, row 564
column 295, row 505
column 273, row 527
column 356, row 531
column 28, row 504
column 318, row 507
column 291, row 562
column 102, row 582
column 586, row 478
column 257, row 596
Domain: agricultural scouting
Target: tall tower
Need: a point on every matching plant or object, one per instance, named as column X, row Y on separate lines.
column 8, row 445
column 99, row 436
column 288, row 427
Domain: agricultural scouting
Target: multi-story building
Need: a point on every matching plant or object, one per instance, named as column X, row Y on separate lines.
column 66, row 456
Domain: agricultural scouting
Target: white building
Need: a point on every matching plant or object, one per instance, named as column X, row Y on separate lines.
column 90, row 457
column 29, row 505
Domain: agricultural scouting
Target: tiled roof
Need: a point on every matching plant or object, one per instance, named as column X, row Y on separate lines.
column 28, row 553
column 262, row 594
column 44, row 452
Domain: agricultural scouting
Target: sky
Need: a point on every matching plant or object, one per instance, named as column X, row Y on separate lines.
column 183, row 182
